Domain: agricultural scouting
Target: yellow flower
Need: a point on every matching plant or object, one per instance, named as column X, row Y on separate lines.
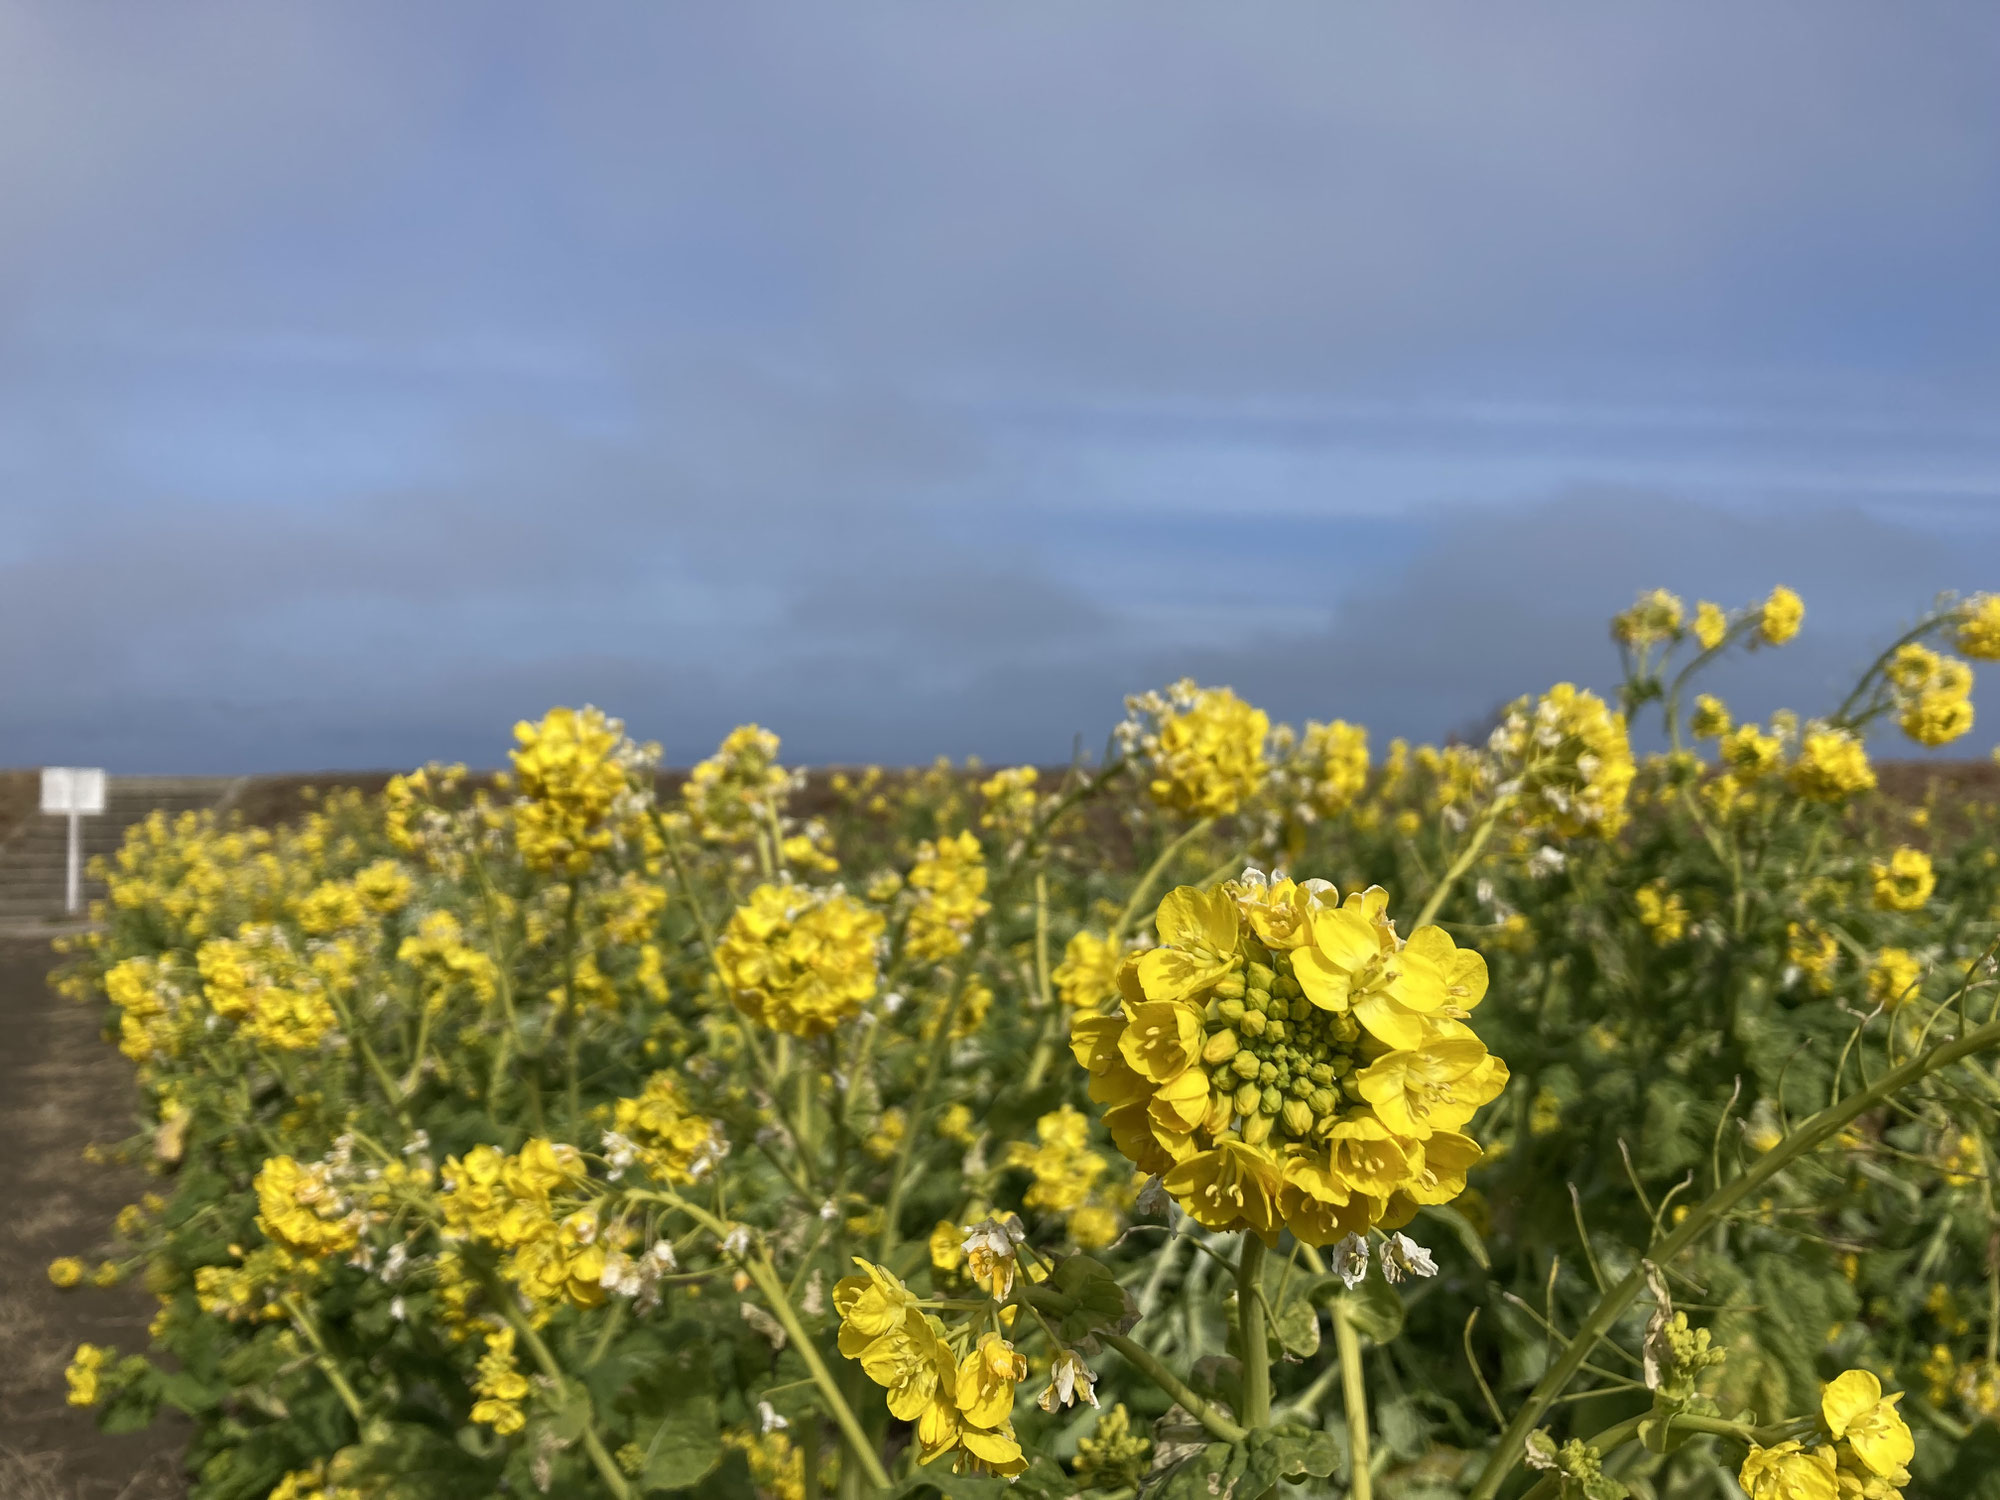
column 1203, row 748
column 1569, row 758
column 947, row 1246
column 1893, row 977
column 1937, row 717
column 739, row 792
column 1710, row 624
column 1232, row 1186
column 871, row 1305
column 85, row 1374
column 949, row 878
column 1662, row 913
column 1322, row 771
column 1749, row 752
column 799, row 960
column 66, row 1271
column 986, row 1380
column 1781, row 616
column 1831, row 766
column 1711, row 718
column 1655, row 617
column 1856, row 1411
column 1979, row 627
column 1438, row 1085
column 1905, row 883
column 1788, row 1472
column 1088, row 975
column 1011, row 801
column 572, row 769
column 1816, row 955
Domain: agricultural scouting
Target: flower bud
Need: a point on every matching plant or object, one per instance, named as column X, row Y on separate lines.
column 1298, row 1117
column 1245, row 1064
column 1270, row 1101
column 1257, row 1129
column 1248, row 1097
column 1220, row 1047
column 1253, row 1023
column 1232, row 1011
column 1260, row 977
column 1229, row 985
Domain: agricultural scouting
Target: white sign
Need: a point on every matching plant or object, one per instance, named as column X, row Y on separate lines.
column 73, row 789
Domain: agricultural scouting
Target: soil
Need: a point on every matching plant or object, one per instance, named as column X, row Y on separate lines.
column 62, row 1089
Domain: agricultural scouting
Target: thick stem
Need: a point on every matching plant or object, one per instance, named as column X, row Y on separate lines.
column 1812, row 1134
column 1353, row 1396
column 1255, row 1350
column 1154, row 1369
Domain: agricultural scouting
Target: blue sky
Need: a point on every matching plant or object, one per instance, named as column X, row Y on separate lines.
column 921, row 379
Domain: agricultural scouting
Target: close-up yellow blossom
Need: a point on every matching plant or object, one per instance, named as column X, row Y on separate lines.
column 1782, row 614
column 1978, row 633
column 1569, row 760
column 1202, row 749
column 1904, row 881
column 1831, row 766
column 1711, row 624
column 800, row 960
column 1893, row 976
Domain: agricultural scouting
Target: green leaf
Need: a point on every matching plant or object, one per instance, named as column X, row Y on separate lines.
column 1097, row 1301
column 1245, row 1470
column 410, row 1461
column 1295, row 1328
column 1374, row 1309
column 685, row 1446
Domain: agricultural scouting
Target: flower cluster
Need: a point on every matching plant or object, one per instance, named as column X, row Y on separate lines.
column 1979, row 627
column 1284, row 1059
column 530, row 1205
column 960, row 1399
column 1011, row 799
column 949, row 884
column 800, row 960
column 1321, row 771
column 1863, row 1449
column 1202, row 749
column 659, row 1133
column 1568, row 762
column 1904, row 881
column 1830, row 766
column 575, row 771
column 1779, row 619
column 741, row 789
column 1087, row 977
column 1933, row 694
column 1065, row 1170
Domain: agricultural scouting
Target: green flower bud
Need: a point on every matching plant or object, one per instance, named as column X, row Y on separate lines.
column 1323, row 1101
column 1229, row 984
column 1257, row 1000
column 1245, row 1064
column 1253, row 1023
column 1267, row 1073
column 1260, row 976
column 1280, row 1008
column 1277, row 1031
column 1248, row 1097
column 1270, row 1101
column 1256, row 1129
column 1298, row 1119
column 1232, row 1011
column 1288, row 987
column 1220, row 1047
column 1322, row 1073
column 1299, row 1086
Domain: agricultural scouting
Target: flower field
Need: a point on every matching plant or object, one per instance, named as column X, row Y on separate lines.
column 1245, row 1106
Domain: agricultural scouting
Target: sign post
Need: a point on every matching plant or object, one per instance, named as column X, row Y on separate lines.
column 77, row 791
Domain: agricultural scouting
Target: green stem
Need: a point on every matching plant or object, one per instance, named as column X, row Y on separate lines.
column 1154, row 1369
column 1809, row 1136
column 1144, row 888
column 572, row 1020
column 920, row 1103
column 593, row 1445
column 1459, row 866
column 323, row 1359
column 1255, row 1350
column 1353, row 1396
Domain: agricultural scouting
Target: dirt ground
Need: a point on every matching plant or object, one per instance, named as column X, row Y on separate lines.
column 61, row 1089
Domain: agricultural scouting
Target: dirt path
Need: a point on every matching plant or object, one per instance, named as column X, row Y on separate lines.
column 63, row 1088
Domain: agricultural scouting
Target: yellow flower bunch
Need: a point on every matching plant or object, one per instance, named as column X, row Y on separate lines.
column 1779, row 619
column 573, row 769
column 1710, row 720
column 446, row 964
column 86, row 1372
column 1458, row 775
column 777, row 1464
column 1010, row 800
column 959, row 1403
column 1065, row 1168
column 1201, row 749
column 741, row 789
column 1905, row 881
column 658, row 1132
column 1979, row 627
column 499, row 1385
column 258, row 980
column 800, row 960
column 1662, row 913
column 1654, row 618
column 1866, row 1452
column 1893, row 976
column 1711, row 625
column 1284, row 1059
column 1087, row 977
column 1814, row 953
column 1933, row 694
column 1568, row 762
column 313, row 1484
column 523, row 1204
column 1320, row 772
column 949, row 880
column 1831, row 766
column 301, row 1210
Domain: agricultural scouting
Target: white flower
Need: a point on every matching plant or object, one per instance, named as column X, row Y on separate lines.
column 1065, row 1376
column 989, row 1254
column 399, row 1310
column 662, row 1255
column 1154, row 1198
column 1350, row 1261
column 1402, row 1256
column 769, row 1419
column 1547, row 860
column 737, row 1241
column 619, row 1153
column 622, row 1275
column 829, row 1211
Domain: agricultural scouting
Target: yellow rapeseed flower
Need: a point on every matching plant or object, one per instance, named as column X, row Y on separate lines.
column 1859, row 1415
column 1202, row 748
column 1831, row 766
column 1710, row 624
column 1905, row 882
column 1781, row 616
column 1789, row 1471
column 1893, row 976
column 1979, row 627
column 800, row 960
column 1655, row 617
